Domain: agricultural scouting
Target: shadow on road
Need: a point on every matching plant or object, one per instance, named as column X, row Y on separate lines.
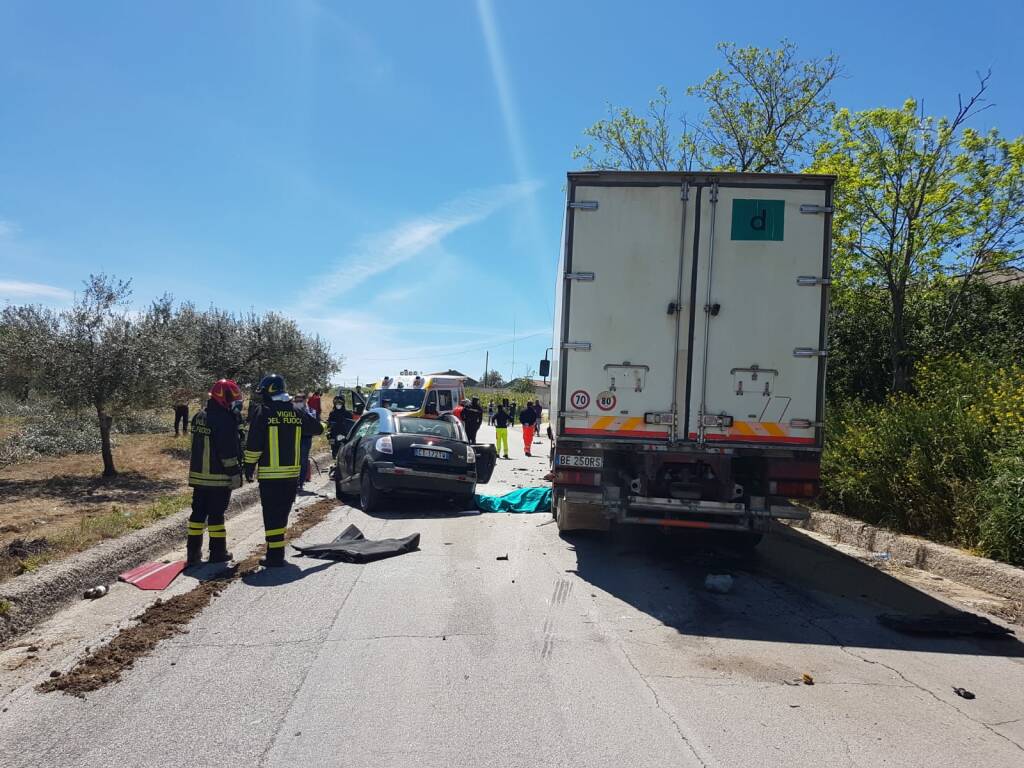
column 410, row 507
column 275, row 577
column 793, row 590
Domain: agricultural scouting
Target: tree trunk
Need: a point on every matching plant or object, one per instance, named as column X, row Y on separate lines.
column 108, row 455
column 898, row 342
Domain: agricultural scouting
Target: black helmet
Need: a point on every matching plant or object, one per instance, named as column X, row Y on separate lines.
column 270, row 385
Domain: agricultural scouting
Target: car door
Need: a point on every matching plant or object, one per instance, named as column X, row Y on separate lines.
column 354, row 449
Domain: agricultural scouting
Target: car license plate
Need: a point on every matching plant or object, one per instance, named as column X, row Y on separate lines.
column 588, row 462
column 426, row 453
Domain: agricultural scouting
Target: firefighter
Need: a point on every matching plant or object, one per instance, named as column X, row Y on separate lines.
column 273, row 456
column 214, row 470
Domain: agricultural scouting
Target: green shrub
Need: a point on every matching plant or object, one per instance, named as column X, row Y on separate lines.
column 141, row 423
column 50, row 437
column 921, row 463
column 1002, row 499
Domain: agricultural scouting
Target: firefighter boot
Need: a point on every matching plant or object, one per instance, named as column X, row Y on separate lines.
column 219, row 549
column 273, row 559
column 194, row 550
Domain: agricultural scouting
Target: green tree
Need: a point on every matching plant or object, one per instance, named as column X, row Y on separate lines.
column 919, row 199
column 102, row 356
column 25, row 334
column 764, row 111
column 492, row 379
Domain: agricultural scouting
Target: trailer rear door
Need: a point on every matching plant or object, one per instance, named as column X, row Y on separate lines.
column 758, row 328
column 619, row 356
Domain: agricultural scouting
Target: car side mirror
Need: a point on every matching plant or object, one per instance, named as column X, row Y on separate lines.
column 545, row 368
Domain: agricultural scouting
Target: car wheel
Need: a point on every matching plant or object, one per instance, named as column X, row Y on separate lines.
column 369, row 496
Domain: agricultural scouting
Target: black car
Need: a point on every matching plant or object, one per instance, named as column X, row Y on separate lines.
column 388, row 452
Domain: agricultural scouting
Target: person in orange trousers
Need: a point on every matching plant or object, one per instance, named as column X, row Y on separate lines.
column 528, row 418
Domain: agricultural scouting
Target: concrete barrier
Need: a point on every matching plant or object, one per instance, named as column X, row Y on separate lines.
column 955, row 564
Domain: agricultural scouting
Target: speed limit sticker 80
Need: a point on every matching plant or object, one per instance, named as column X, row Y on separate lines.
column 580, row 399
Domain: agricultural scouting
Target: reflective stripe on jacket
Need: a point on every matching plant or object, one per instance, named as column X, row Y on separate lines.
column 214, row 462
column 274, row 439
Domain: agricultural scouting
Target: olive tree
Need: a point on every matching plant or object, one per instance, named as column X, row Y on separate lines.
column 105, row 357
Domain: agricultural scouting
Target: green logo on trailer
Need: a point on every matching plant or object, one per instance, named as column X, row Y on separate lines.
column 758, row 219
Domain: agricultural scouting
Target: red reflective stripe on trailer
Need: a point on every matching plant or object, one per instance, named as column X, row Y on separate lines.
column 757, row 439
column 615, row 432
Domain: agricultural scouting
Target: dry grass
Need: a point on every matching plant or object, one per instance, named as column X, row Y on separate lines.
column 66, row 501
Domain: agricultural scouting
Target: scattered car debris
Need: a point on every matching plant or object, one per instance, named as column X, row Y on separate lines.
column 94, row 593
column 153, row 576
column 944, row 624
column 807, row 679
column 963, row 693
column 720, row 583
column 351, row 546
column 502, row 557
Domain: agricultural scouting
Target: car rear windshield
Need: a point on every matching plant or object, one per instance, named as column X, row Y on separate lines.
column 434, row 427
column 398, row 399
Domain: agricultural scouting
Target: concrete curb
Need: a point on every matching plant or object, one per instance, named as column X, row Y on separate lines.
column 35, row 597
column 979, row 572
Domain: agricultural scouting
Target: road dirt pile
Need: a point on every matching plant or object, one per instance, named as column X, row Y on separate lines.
column 164, row 619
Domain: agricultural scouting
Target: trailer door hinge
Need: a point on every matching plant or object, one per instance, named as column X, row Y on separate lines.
column 583, row 277
column 809, row 352
column 684, row 191
column 714, row 192
column 585, row 205
column 581, row 345
column 804, row 424
column 813, row 208
column 812, row 280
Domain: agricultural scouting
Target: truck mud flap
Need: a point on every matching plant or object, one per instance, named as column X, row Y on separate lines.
column 486, row 458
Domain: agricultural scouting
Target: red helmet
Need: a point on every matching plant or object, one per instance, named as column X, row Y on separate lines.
column 224, row 393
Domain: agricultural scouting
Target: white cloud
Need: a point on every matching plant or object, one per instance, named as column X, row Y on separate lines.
column 8, row 228
column 383, row 251
column 17, row 289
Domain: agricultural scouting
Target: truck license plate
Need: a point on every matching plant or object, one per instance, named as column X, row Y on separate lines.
column 588, row 462
column 426, row 453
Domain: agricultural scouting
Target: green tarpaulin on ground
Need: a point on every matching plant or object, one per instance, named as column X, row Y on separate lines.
column 525, row 500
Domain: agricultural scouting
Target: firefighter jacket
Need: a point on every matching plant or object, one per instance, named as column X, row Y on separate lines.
column 273, row 444
column 216, row 449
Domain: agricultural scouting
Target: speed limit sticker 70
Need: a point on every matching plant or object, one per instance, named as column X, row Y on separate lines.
column 580, row 399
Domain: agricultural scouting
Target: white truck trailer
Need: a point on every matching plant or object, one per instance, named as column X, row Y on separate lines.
column 688, row 365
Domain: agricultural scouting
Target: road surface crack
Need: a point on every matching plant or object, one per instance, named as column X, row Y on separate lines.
column 295, row 693
column 657, row 702
column 813, row 621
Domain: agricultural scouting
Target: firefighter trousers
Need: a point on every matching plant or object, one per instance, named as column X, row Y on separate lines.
column 208, row 508
column 276, row 498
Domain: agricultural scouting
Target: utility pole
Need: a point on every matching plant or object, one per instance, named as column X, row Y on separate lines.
column 513, row 348
column 487, row 364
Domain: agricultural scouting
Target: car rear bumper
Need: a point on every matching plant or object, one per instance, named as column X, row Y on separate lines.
column 388, row 477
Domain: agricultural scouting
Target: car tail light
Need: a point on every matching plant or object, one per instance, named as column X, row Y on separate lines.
column 576, row 477
column 793, row 489
column 470, row 455
column 383, row 445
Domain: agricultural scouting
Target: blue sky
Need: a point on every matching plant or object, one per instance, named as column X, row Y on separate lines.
column 390, row 174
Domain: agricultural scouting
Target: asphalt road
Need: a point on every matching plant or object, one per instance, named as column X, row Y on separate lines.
column 586, row 651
